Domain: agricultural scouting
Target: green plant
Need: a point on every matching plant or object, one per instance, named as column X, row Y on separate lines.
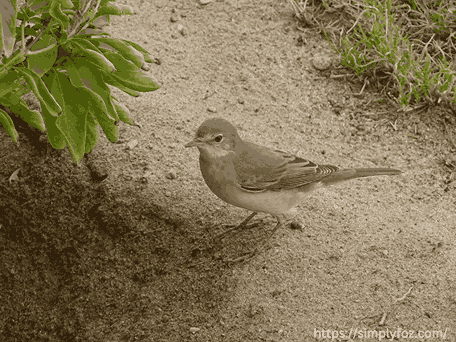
column 57, row 49
column 406, row 47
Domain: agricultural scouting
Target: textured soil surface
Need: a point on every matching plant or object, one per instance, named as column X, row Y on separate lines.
column 131, row 258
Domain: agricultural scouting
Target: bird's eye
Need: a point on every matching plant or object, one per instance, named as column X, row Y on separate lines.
column 218, row 138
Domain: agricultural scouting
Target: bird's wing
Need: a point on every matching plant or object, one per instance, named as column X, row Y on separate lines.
column 266, row 169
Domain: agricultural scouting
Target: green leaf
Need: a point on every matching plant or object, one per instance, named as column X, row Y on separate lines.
column 72, row 121
column 40, row 90
column 94, row 82
column 145, row 53
column 92, row 54
column 8, row 82
column 75, row 78
column 42, row 62
column 118, row 61
column 135, row 80
column 123, row 112
column 56, row 13
column 67, row 4
column 105, row 2
column 114, row 9
column 91, row 133
column 78, row 80
column 106, row 123
column 19, row 107
column 31, row 31
column 8, row 124
column 84, row 44
column 56, row 137
column 111, row 81
column 127, row 52
column 25, row 13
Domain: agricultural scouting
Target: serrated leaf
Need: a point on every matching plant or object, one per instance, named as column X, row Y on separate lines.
column 42, row 62
column 135, row 80
column 8, row 15
column 56, row 12
column 8, row 124
column 125, row 50
column 40, row 90
column 19, row 107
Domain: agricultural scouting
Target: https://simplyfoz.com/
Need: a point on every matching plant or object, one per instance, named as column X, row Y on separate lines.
column 386, row 334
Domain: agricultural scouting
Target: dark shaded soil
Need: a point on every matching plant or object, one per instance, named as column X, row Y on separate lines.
column 130, row 257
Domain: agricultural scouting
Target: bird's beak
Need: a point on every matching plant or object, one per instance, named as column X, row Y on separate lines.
column 194, row 143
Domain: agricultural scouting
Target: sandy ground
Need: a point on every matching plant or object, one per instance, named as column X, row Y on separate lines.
column 131, row 258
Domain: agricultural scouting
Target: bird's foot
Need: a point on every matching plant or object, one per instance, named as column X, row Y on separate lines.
column 232, row 228
column 251, row 254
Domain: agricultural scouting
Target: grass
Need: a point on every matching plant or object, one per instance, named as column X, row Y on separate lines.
column 406, row 48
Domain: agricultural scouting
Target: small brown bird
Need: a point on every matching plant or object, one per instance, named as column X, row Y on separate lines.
column 259, row 178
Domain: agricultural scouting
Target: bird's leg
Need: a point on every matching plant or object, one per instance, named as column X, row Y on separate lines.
column 242, row 225
column 247, row 256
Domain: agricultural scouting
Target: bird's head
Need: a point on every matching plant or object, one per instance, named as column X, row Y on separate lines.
column 215, row 137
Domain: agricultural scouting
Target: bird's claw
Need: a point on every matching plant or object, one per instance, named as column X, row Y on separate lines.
column 241, row 226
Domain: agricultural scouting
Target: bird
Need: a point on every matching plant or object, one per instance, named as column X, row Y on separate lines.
column 262, row 179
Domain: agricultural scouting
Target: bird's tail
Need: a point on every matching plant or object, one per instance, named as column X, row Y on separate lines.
column 347, row 174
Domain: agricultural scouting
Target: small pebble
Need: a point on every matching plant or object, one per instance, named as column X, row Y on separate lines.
column 171, row 175
column 241, row 100
column 194, row 330
column 204, row 2
column 132, row 144
column 321, row 62
column 211, row 109
column 296, row 225
column 182, row 29
column 173, row 19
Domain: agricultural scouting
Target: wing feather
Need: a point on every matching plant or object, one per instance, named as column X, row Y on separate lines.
column 260, row 169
